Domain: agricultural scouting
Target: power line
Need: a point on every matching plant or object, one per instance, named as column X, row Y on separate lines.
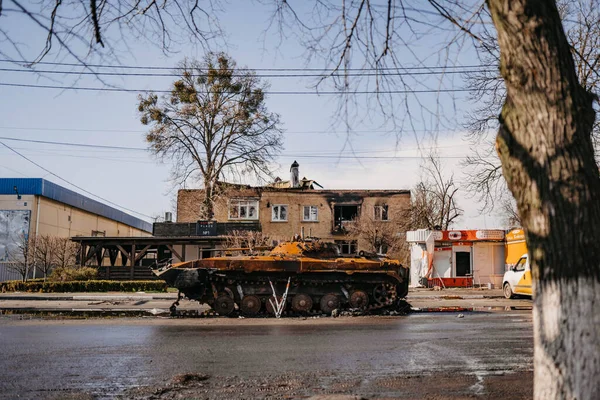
column 323, row 75
column 99, row 146
column 21, row 128
column 70, row 183
column 322, row 70
column 357, row 92
column 13, row 170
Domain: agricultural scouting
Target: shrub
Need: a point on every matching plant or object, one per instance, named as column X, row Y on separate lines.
column 68, row 274
column 83, row 286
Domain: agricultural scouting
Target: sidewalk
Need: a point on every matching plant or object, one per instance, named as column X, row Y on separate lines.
column 153, row 304
column 107, row 296
column 414, row 293
column 454, row 293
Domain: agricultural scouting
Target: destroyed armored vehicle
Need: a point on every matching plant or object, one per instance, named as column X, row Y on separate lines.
column 315, row 275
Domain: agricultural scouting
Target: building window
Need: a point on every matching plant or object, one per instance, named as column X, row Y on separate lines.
column 311, row 213
column 243, row 209
column 347, row 246
column 279, row 212
column 343, row 215
column 381, row 213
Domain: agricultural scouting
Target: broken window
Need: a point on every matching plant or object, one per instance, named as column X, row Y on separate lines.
column 347, row 246
column 383, row 249
column 344, row 214
column 311, row 213
column 279, row 212
column 243, row 209
column 381, row 213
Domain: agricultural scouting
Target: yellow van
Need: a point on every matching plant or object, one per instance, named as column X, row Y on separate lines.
column 517, row 280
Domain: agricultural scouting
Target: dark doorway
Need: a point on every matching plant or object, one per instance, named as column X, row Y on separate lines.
column 463, row 263
column 344, row 214
column 206, row 254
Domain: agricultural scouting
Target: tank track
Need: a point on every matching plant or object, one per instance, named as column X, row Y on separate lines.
column 316, row 287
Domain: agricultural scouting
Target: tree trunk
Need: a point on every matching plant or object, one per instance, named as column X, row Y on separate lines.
column 207, row 211
column 545, row 146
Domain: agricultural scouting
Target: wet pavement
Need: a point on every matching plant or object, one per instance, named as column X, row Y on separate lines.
column 428, row 355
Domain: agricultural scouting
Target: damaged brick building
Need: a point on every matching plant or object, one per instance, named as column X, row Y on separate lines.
column 283, row 209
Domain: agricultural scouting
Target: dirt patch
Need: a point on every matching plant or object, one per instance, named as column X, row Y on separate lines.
column 186, row 379
column 517, row 385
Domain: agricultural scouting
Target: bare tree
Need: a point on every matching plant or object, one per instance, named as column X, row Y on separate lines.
column 44, row 254
column 213, row 124
column 21, row 256
column 103, row 30
column 251, row 240
column 433, row 200
column 484, row 171
column 65, row 252
column 508, row 207
column 381, row 236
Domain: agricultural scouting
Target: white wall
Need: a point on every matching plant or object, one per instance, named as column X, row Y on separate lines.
column 418, row 263
column 488, row 263
column 442, row 263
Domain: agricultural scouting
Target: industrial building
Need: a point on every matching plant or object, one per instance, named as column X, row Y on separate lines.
column 35, row 206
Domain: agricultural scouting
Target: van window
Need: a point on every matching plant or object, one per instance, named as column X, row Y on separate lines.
column 520, row 266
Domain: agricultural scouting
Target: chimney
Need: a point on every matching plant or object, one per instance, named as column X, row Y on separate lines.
column 168, row 217
column 295, row 175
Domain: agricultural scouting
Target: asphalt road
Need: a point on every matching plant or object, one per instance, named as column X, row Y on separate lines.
column 435, row 355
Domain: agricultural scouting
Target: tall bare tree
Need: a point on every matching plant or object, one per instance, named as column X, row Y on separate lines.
column 213, row 124
column 433, row 200
column 484, row 171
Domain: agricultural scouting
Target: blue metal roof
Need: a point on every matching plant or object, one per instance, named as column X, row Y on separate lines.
column 50, row 190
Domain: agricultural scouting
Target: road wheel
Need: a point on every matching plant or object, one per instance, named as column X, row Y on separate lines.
column 302, row 303
column 250, row 305
column 224, row 305
column 359, row 299
column 508, row 293
column 329, row 302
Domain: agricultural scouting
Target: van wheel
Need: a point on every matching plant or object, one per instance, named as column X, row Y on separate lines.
column 508, row 293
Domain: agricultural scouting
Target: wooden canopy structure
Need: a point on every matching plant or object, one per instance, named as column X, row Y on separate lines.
column 131, row 250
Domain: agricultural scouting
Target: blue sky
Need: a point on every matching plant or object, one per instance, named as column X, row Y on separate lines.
column 135, row 180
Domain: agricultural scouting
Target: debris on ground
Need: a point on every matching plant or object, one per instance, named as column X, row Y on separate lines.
column 184, row 379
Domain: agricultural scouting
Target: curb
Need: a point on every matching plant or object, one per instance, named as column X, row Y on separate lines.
column 127, row 312
column 88, row 297
column 452, row 297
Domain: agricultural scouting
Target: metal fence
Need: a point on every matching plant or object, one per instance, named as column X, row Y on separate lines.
column 6, row 274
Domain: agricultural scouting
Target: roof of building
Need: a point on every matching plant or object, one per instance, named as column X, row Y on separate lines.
column 304, row 184
column 52, row 191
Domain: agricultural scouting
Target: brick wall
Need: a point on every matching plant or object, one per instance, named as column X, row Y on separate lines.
column 189, row 201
